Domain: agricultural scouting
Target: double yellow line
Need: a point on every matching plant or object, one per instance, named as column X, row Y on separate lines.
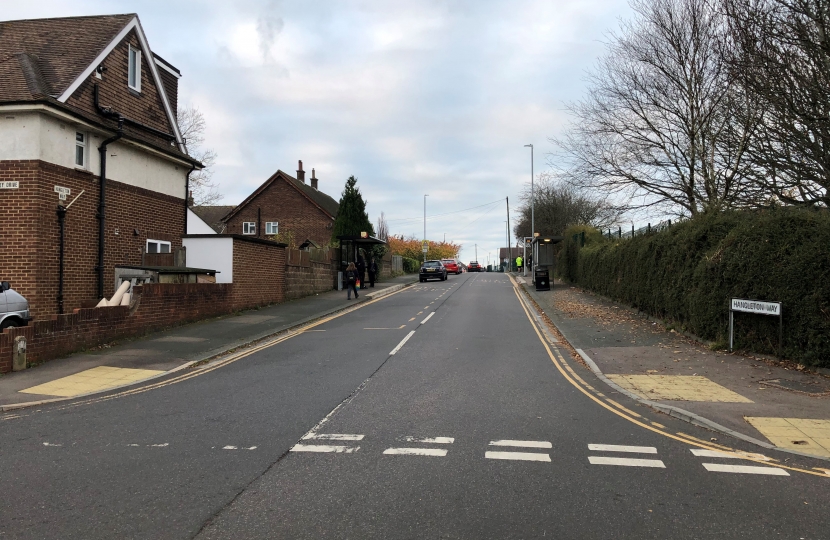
column 575, row 380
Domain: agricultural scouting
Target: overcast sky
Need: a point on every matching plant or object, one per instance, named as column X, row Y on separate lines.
column 411, row 97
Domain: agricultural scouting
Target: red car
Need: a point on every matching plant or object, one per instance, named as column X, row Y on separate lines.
column 452, row 266
column 474, row 267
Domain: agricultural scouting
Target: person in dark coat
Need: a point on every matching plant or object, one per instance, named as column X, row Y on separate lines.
column 361, row 270
column 350, row 276
column 373, row 271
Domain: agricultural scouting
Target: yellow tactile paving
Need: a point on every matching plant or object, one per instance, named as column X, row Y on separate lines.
column 805, row 435
column 677, row 388
column 91, row 380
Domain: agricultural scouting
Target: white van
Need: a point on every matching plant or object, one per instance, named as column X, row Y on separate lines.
column 14, row 309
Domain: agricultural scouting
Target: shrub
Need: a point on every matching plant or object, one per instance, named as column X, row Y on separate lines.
column 410, row 266
column 688, row 273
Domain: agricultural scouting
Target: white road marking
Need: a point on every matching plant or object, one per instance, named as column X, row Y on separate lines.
column 626, row 462
column 228, row 447
column 745, row 469
column 333, row 436
column 428, row 440
column 621, row 448
column 402, row 343
column 518, row 456
column 160, row 445
column 432, row 452
column 326, row 448
column 50, row 444
column 522, row 444
column 713, row 453
column 428, row 318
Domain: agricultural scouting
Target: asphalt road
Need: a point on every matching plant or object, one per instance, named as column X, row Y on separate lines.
column 474, row 428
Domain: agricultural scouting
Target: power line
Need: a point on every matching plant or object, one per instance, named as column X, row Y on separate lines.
column 445, row 213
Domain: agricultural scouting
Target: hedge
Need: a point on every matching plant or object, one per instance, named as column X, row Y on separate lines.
column 410, row 266
column 688, row 273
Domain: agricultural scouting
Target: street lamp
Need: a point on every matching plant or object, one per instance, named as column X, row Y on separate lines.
column 425, row 225
column 532, row 205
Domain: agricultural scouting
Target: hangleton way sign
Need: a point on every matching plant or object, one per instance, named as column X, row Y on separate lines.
column 755, row 306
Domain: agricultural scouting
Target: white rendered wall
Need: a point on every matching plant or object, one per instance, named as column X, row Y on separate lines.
column 212, row 254
column 195, row 224
column 35, row 135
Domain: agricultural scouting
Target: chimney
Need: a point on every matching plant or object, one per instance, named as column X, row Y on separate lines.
column 313, row 180
column 301, row 173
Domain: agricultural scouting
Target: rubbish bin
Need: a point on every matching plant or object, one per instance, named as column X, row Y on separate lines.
column 542, row 278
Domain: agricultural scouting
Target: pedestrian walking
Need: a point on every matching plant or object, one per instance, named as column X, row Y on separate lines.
column 519, row 263
column 351, row 276
column 373, row 272
column 361, row 271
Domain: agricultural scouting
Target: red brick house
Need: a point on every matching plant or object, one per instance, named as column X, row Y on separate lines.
column 86, row 108
column 288, row 207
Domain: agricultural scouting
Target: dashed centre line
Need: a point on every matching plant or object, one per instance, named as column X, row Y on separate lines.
column 626, row 462
column 325, row 448
column 334, row 437
column 621, row 448
column 428, row 440
column 745, row 469
column 518, row 456
column 430, row 452
column 428, row 318
column 522, row 444
column 402, row 343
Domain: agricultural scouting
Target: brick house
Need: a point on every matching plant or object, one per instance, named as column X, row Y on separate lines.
column 86, row 108
column 288, row 207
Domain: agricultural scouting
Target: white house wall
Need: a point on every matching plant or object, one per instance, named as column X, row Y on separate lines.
column 211, row 253
column 35, row 135
column 195, row 224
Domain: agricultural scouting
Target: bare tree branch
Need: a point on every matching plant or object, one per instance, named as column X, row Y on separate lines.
column 192, row 127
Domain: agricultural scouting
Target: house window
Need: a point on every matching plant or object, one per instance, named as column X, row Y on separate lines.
column 158, row 246
column 272, row 227
column 80, row 149
column 248, row 227
column 134, row 69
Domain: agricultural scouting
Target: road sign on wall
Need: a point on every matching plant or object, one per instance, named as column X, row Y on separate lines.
column 62, row 192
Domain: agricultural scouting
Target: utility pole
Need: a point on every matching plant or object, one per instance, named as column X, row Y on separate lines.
column 476, row 259
column 509, row 251
column 425, row 225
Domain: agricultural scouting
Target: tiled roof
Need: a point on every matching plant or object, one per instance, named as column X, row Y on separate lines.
column 323, row 201
column 50, row 53
column 212, row 215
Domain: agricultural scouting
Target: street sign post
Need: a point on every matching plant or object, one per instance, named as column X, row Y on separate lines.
column 759, row 308
column 425, row 246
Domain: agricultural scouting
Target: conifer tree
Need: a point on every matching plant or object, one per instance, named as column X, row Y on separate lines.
column 352, row 218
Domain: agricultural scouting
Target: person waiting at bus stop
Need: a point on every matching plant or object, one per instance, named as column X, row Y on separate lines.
column 519, row 263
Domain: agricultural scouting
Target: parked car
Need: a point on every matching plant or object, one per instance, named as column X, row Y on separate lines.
column 474, row 267
column 452, row 266
column 14, row 309
column 431, row 270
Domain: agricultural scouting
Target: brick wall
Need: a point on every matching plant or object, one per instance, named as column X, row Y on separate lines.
column 258, row 274
column 294, row 212
column 155, row 307
column 29, row 243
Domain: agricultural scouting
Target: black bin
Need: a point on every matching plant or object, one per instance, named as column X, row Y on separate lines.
column 542, row 278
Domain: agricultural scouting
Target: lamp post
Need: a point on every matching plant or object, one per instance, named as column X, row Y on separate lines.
column 532, row 205
column 425, row 225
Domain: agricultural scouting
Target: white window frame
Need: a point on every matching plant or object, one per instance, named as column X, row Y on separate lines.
column 272, row 227
column 160, row 244
column 83, row 146
column 249, row 227
column 131, row 50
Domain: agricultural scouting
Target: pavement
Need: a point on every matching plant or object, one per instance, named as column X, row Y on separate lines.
column 753, row 398
column 442, row 410
column 137, row 360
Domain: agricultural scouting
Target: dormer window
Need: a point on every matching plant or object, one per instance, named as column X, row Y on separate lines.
column 134, row 69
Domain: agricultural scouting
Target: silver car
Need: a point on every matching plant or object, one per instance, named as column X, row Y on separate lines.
column 14, row 309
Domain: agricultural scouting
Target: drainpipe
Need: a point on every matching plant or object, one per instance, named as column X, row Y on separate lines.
column 187, row 195
column 102, row 205
column 61, row 224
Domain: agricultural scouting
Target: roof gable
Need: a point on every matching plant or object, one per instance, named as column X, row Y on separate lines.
column 59, row 55
column 319, row 199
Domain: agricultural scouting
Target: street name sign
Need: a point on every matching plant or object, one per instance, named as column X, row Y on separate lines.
column 759, row 308
column 62, row 192
column 755, row 306
column 10, row 185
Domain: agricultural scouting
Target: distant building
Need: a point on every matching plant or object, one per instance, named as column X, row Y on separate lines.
column 288, row 207
column 211, row 216
column 67, row 87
